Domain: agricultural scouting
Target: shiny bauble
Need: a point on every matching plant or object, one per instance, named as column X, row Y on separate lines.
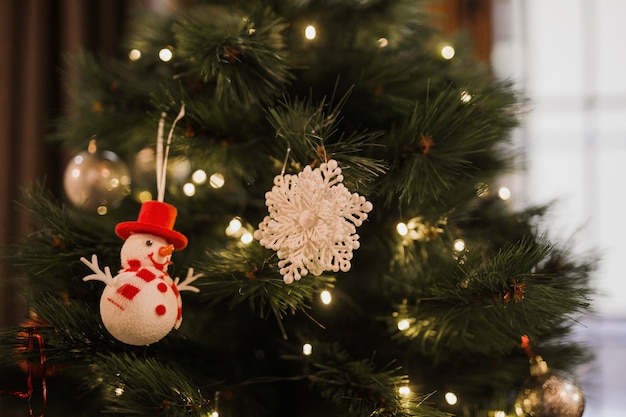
column 550, row 395
column 95, row 179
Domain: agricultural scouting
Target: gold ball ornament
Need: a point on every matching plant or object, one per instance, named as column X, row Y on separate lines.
column 549, row 394
column 95, row 179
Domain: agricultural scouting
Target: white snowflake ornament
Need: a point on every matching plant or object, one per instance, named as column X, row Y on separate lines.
column 312, row 222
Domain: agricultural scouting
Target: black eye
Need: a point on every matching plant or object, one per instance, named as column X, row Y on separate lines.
column 148, row 243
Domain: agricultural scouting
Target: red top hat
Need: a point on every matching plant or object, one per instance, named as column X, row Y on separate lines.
column 157, row 218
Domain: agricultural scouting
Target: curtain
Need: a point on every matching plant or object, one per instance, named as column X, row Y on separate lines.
column 35, row 35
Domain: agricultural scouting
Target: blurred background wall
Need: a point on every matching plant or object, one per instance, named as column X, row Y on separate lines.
column 567, row 56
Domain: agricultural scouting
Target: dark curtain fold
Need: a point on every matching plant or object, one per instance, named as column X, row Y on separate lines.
column 35, row 35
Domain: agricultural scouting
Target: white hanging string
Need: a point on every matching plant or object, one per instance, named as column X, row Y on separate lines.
column 161, row 155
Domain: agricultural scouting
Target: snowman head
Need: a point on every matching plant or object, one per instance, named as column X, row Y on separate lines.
column 146, row 250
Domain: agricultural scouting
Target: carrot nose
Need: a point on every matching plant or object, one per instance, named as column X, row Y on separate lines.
column 166, row 250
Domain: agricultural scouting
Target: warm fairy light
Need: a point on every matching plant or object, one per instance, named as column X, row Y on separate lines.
column 326, row 297
column 466, row 97
column 92, row 147
column 234, row 226
column 404, row 324
column 310, row 33
column 102, row 210
column 199, row 176
column 307, row 349
column 499, row 413
column 216, row 180
column 482, row 190
column 246, row 238
column 404, row 391
column 451, row 398
column 144, row 196
column 383, row 42
column 402, row 229
column 134, row 54
column 214, row 414
column 119, row 391
column 165, row 54
column 189, row 189
column 459, row 245
column 504, row 193
column 447, row 52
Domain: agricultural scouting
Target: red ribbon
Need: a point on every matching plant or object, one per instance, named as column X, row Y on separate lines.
column 33, row 334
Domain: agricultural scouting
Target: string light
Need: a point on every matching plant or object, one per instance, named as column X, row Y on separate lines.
column 459, row 245
column 214, row 414
column 326, row 297
column 216, row 180
column 165, row 54
column 307, row 349
column 189, row 189
column 119, row 391
column 404, row 324
column 246, row 238
column 447, row 51
column 310, row 32
column 504, row 193
column 102, row 210
column 466, row 97
column 199, row 176
column 499, row 413
column 234, row 226
column 404, row 391
column 451, row 398
column 134, row 54
column 383, row 42
column 402, row 229
column 143, row 196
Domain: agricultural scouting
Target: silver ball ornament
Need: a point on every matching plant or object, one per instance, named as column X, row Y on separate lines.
column 549, row 394
column 95, row 179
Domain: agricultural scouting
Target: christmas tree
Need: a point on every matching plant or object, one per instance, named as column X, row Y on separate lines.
column 325, row 174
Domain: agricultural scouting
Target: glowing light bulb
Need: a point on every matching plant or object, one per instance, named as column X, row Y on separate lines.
column 216, row 180
column 499, row 413
column 134, row 54
column 404, row 324
column 383, row 42
column 199, row 176
column 165, row 54
column 504, row 193
column 234, row 226
column 246, row 238
column 447, row 52
column 215, row 414
column 459, row 245
column 326, row 297
column 402, row 229
column 119, row 391
column 451, row 398
column 310, row 33
column 144, row 196
column 404, row 391
column 189, row 189
column 466, row 97
column 102, row 210
column 307, row 349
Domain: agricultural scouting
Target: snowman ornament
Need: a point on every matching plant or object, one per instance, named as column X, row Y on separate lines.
column 142, row 303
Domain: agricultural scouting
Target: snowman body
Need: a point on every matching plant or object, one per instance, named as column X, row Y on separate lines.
column 143, row 304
